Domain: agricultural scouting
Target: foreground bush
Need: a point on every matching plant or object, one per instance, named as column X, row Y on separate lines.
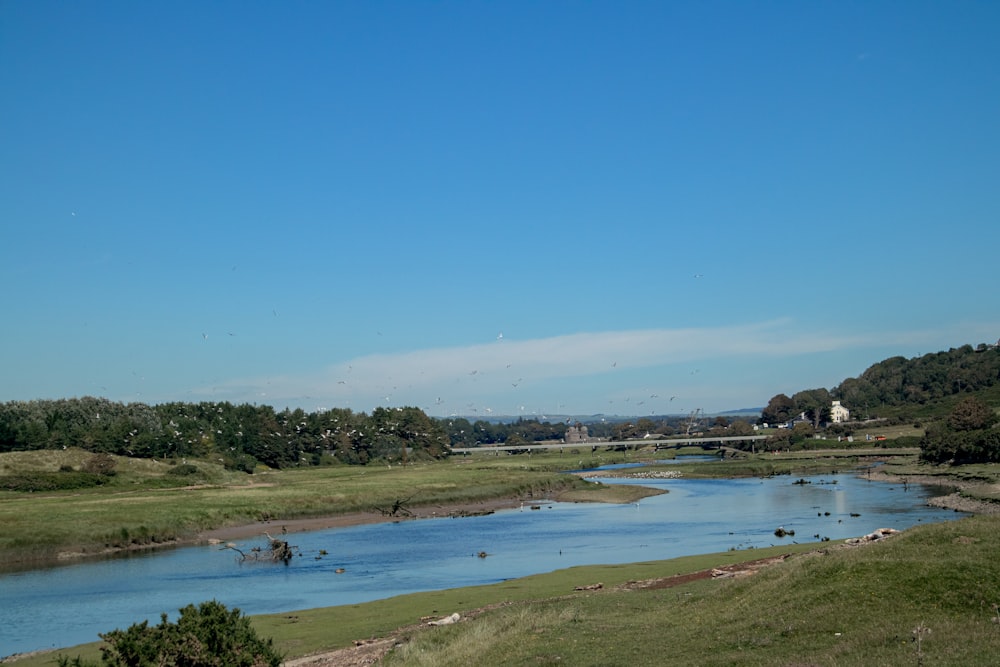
column 205, row 636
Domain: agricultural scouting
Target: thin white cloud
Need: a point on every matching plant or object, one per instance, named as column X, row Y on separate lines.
column 500, row 364
column 462, row 376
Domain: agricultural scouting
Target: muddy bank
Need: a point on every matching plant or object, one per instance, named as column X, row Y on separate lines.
column 354, row 519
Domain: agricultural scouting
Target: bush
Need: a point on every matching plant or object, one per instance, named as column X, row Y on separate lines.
column 28, row 482
column 183, row 470
column 205, row 636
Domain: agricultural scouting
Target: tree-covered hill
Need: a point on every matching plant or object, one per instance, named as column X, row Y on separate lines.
column 900, row 389
column 954, row 394
column 940, row 377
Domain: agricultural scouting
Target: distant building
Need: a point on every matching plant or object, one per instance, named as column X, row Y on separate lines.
column 838, row 413
column 577, row 433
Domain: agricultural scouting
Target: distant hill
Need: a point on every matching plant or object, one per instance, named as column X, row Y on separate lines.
column 741, row 412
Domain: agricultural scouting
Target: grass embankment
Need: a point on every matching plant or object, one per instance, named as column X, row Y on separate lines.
column 145, row 504
column 842, row 606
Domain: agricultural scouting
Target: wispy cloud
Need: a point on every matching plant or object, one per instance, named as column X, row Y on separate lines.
column 501, row 364
column 483, row 373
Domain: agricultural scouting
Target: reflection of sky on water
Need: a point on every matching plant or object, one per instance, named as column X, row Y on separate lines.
column 70, row 605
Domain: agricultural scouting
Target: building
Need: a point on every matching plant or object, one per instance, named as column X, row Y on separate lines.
column 577, row 433
column 838, row 413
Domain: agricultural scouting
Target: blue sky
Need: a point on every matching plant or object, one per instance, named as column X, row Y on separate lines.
column 484, row 208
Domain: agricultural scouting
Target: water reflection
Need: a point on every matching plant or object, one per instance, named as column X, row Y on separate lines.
column 70, row 605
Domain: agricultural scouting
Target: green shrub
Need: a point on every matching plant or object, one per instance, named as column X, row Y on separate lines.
column 205, row 636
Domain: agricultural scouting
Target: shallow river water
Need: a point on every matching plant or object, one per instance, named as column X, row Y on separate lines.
column 69, row 605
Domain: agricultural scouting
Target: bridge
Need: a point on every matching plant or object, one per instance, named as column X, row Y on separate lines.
column 614, row 445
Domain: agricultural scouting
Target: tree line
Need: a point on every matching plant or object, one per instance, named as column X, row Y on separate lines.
column 238, row 436
column 241, row 436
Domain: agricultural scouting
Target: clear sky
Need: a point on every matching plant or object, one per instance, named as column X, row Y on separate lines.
column 492, row 208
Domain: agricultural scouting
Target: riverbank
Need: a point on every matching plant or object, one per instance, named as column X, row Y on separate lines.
column 969, row 497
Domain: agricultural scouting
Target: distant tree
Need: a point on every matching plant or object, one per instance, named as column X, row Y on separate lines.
column 967, row 436
column 740, row 427
column 802, row 431
column 515, row 440
column 778, row 411
column 815, row 403
column 971, row 414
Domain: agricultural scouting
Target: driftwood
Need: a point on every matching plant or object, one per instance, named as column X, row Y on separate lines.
column 276, row 551
column 591, row 587
column 398, row 508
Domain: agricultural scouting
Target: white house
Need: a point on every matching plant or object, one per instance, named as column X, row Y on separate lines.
column 838, row 413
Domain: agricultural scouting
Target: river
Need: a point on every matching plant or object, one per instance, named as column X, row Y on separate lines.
column 69, row 605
